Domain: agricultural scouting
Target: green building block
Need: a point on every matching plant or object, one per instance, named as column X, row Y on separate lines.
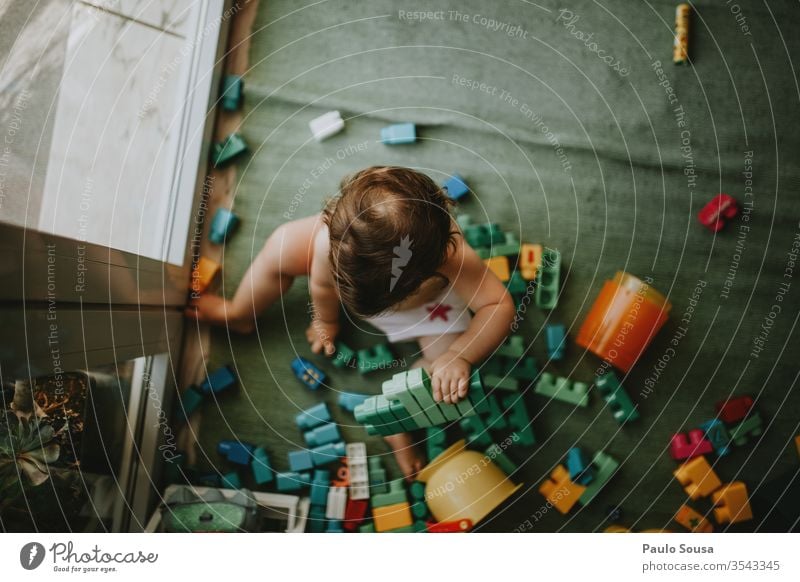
column 476, row 394
column 233, row 146
column 547, row 279
column 390, row 424
column 191, row 399
column 495, row 418
column 231, row 480
column 513, row 347
column 525, row 369
column 618, row 400
column 417, row 491
column 232, row 92
column 378, row 357
column 501, row 382
column 367, row 528
column 509, row 247
column 563, row 389
column 435, row 442
column 516, row 285
column 344, row 356
column 419, row 384
column 519, row 420
column 397, row 390
column 396, row 494
column 749, row 427
column 419, row 510
column 262, row 469
column 420, row 527
column 495, row 454
column 605, row 467
column 476, row 430
column 402, row 416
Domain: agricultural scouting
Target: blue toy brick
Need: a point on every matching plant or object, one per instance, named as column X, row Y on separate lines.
column 556, row 340
column 232, row 92
column 399, row 133
column 220, row 379
column 191, row 399
column 313, row 416
column 236, row 451
column 579, row 467
column 319, row 488
column 456, row 187
column 222, row 225
column 291, row 481
column 311, row 376
column 300, row 460
column 231, row 480
column 327, row 453
column 334, row 526
column 262, row 468
column 349, row 400
column 717, row 434
column 321, row 435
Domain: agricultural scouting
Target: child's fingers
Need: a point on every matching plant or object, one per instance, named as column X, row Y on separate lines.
column 329, row 349
column 454, row 391
column 437, row 390
column 463, row 387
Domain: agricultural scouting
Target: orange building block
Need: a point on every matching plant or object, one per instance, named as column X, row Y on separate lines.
column 530, row 257
column 693, row 521
column 560, row 491
column 797, row 444
column 698, row 478
column 499, row 266
column 731, row 503
column 391, row 517
column 204, row 272
column 617, row 529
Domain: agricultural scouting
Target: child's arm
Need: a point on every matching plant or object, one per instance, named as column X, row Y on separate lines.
column 493, row 312
column 324, row 326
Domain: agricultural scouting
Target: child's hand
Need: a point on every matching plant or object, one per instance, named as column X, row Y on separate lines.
column 450, row 377
column 321, row 335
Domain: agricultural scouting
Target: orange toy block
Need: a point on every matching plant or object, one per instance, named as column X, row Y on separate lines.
column 530, row 257
column 560, row 491
column 203, row 273
column 391, row 517
column 692, row 520
column 731, row 503
column 797, row 444
column 698, row 478
column 499, row 266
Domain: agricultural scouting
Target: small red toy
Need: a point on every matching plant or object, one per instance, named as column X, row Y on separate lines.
column 715, row 214
column 734, row 409
column 462, row 525
column 682, row 447
column 354, row 513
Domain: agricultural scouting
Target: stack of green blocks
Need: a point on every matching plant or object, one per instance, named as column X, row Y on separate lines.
column 547, row 279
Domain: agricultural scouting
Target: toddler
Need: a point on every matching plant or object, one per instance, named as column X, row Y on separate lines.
column 388, row 250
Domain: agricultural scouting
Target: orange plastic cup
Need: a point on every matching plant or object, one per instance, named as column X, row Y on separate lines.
column 625, row 317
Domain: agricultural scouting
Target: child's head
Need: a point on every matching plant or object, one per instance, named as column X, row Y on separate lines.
column 390, row 230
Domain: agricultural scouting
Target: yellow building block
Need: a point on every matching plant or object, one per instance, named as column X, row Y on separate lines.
column 530, row 257
column 692, row 520
column 617, row 529
column 731, row 503
column 391, row 517
column 203, row 273
column 560, row 491
column 698, row 478
column 499, row 266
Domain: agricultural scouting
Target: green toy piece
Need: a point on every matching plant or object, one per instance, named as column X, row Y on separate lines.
column 508, row 248
column 618, row 400
column 516, row 285
column 519, row 420
column 232, row 92
column 396, row 494
column 367, row 528
column 495, row 418
column 378, row 357
column 495, row 454
column 419, row 510
column 417, row 491
column 231, row 480
column 605, row 466
column 501, row 382
column 377, row 476
column 344, row 356
column 476, row 430
column 547, row 279
column 435, row 442
column 513, row 347
column 563, row 389
column 750, row 427
column 224, row 152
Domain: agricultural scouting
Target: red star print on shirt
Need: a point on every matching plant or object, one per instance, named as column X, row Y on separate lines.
column 439, row 311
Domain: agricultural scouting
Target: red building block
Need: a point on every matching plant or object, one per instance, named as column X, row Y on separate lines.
column 354, row 513
column 718, row 211
column 682, row 447
column 734, row 409
column 460, row 526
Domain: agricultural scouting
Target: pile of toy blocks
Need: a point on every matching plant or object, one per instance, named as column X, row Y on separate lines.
column 221, row 380
column 580, row 481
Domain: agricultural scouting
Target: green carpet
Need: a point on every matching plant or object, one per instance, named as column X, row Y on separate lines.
column 562, row 149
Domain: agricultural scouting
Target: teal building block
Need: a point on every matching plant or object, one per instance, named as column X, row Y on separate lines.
column 476, row 430
column 563, row 389
column 399, row 133
column 322, row 435
column 476, row 394
column 328, row 453
column 291, row 481
column 495, row 419
column 519, row 420
column 717, row 434
column 501, row 382
column 402, row 416
column 320, row 487
column 618, row 400
column 378, row 357
column 417, row 491
column 314, row 416
column 579, row 467
column 396, row 389
column 604, row 466
column 516, row 285
column 396, row 494
column 746, row 429
column 419, row 510
column 349, row 400
column 389, row 422
column 419, row 384
column 232, row 92
column 524, row 369
column 226, row 151
column 344, row 356
column 222, row 225
column 231, row 481
column 191, row 399
column 334, row 526
column 262, row 469
column 496, row 454
column 435, row 442
column 513, row 347
column 316, row 521
column 507, row 248
column 300, row 460
column 420, row 526
column 547, row 279
column 556, row 335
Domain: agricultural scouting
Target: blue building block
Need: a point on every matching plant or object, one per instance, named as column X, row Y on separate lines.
column 222, row 225
column 232, row 92
column 219, row 380
column 300, row 460
column 556, row 340
column 456, row 187
column 191, row 399
column 262, row 469
column 236, row 451
column 313, row 416
column 319, row 488
column 334, row 526
column 580, row 469
column 325, row 454
column 349, row 400
column 717, row 434
column 231, row 481
column 229, row 149
column 291, row 481
column 311, row 376
column 399, row 133
column 322, row 435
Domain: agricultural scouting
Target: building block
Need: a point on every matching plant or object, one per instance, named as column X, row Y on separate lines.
column 500, row 267
column 693, row 521
column 389, row 422
column 604, row 466
column 498, row 456
column 509, row 247
column 355, row 512
column 349, row 400
column 334, row 526
column 417, row 490
column 556, row 341
column 717, row 433
column 359, row 472
column 695, row 444
column 300, row 460
column 219, row 380
column 230, row 148
column 698, row 478
column 495, row 419
column 389, row 517
column 337, row 500
column 316, row 521
column 419, row 384
column 231, row 481
column 326, row 125
column 344, row 356
column 476, row 402
column 328, row 453
column 435, row 442
column 460, row 526
column 731, row 503
column 456, row 187
column 717, row 212
column 237, row 452
column 322, row 434
column 191, row 399
column 617, row 399
column 559, row 491
column 419, row 510
column 501, row 382
column 319, row 488
column 516, row 285
column 547, row 279
column 232, row 92
column 314, row 416
column 223, row 225
column 563, row 389
column 745, row 430
column 399, row 133
column 367, row 528
column 395, row 495
column 262, row 468
column 378, row 357
column 530, row 258
column 519, row 420
column 476, row 431
column 512, row 347
column 291, row 481
column 579, row 467
column 397, row 389
column 203, row 273
column 524, row 369
column 311, row 376
column 734, row 409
